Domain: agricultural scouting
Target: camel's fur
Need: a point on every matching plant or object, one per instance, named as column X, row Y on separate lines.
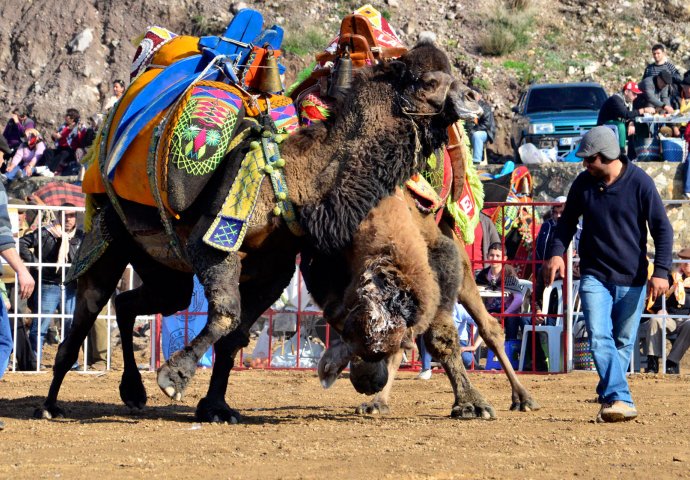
column 335, row 171
column 410, row 235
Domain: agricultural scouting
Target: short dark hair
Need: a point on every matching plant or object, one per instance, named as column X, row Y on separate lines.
column 20, row 111
column 119, row 82
column 658, row 46
column 496, row 246
column 73, row 113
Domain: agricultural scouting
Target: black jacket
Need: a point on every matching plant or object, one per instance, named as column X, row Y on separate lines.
column 28, row 251
column 615, row 109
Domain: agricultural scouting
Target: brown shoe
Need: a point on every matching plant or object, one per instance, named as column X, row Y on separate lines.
column 616, row 412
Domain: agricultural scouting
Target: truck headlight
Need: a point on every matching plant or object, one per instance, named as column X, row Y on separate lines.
column 541, row 128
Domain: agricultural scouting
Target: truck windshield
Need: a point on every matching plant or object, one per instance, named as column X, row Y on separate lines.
column 565, row 98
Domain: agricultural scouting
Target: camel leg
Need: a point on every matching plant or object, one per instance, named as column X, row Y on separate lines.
column 489, row 328
column 164, row 291
column 442, row 341
column 94, row 288
column 219, row 273
column 379, row 404
column 258, row 294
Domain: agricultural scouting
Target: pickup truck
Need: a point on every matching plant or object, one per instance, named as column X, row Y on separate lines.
column 556, row 115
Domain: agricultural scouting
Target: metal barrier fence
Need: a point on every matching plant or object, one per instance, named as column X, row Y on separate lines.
column 297, row 327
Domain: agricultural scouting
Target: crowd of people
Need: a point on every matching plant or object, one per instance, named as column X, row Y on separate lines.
column 32, row 153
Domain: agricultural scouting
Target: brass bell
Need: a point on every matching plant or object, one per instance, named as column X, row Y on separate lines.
column 269, row 74
column 342, row 77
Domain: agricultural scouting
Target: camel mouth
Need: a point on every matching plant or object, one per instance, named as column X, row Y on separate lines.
column 464, row 103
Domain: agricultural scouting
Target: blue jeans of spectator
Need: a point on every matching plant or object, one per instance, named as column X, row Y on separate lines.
column 686, row 176
column 478, row 140
column 425, row 356
column 612, row 317
column 51, row 296
column 5, row 338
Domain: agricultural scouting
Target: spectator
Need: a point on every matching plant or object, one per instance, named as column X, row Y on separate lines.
column 69, row 139
column 619, row 108
column 482, row 130
column 677, row 303
column 499, row 278
column 58, row 245
column 684, row 109
column 5, row 150
column 27, row 156
column 485, row 234
column 462, row 321
column 617, row 201
column 16, row 127
column 26, row 281
column 655, row 92
column 118, row 91
column 660, row 63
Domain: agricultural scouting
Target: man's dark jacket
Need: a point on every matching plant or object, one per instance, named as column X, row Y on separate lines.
column 28, row 251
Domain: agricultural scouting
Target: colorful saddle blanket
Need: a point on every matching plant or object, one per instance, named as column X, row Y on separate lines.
column 196, row 118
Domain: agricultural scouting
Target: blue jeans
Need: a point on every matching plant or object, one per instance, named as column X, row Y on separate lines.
column 5, row 338
column 478, row 140
column 50, row 300
column 686, row 177
column 425, row 356
column 612, row 317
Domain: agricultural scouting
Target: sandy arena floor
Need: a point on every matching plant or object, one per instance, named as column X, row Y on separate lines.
column 295, row 429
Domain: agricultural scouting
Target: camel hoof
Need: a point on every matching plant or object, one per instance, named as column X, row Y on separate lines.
column 132, row 391
column 49, row 412
column 470, row 411
column 216, row 412
column 175, row 374
column 373, row 408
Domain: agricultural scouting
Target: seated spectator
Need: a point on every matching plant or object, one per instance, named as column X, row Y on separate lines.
column 16, row 127
column 27, row 156
column 677, row 303
column 660, row 63
column 69, row 138
column 462, row 320
column 118, row 91
column 498, row 277
column 619, row 108
column 482, row 130
column 655, row 94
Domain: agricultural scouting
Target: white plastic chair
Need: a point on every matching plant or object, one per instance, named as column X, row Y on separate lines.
column 553, row 332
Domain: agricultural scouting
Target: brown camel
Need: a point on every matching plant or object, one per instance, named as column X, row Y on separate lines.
column 395, row 115
column 404, row 277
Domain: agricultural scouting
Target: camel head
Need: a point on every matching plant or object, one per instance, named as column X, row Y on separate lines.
column 429, row 90
column 384, row 307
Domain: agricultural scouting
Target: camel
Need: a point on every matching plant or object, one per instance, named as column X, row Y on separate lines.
column 395, row 115
column 401, row 278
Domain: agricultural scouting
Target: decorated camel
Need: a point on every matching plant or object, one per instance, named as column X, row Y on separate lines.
column 324, row 180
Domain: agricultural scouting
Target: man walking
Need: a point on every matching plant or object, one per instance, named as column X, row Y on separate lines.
column 618, row 202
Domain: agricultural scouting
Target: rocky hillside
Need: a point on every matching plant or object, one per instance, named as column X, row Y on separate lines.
column 55, row 55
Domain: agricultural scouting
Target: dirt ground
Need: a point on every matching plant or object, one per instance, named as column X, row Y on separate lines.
column 292, row 428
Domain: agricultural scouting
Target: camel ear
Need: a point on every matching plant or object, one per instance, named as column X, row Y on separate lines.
column 398, row 68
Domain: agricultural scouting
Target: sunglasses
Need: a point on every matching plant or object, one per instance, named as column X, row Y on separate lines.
column 591, row 159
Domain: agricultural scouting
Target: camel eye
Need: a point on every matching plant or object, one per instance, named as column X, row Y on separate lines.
column 431, row 85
